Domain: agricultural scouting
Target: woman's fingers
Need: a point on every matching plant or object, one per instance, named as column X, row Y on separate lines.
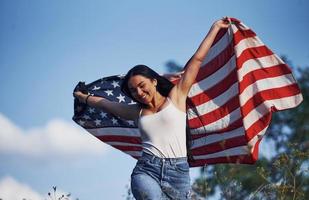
column 226, row 19
column 224, row 22
column 77, row 94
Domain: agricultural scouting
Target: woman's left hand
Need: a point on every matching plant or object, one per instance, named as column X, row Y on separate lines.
column 222, row 23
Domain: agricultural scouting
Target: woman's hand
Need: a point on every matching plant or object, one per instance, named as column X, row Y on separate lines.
column 80, row 96
column 222, row 23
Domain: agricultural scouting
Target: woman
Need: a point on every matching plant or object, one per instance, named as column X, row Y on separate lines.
column 162, row 172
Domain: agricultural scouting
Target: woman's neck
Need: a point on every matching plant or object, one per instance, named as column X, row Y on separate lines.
column 157, row 101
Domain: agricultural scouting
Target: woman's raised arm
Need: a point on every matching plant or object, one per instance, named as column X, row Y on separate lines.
column 193, row 65
column 128, row 112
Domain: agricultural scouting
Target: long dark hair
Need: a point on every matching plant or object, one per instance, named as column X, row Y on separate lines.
column 164, row 86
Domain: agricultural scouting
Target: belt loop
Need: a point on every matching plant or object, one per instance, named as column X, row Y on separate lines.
column 169, row 161
column 153, row 159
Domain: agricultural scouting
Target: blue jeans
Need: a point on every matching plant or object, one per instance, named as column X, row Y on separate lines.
column 155, row 178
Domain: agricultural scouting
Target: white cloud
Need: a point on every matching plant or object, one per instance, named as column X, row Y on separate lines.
column 58, row 138
column 10, row 189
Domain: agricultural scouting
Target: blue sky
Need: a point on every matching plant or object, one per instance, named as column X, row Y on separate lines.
column 48, row 46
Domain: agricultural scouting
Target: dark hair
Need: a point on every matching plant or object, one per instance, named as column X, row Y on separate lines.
column 164, row 86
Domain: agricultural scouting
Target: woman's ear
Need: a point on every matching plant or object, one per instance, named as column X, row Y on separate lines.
column 155, row 82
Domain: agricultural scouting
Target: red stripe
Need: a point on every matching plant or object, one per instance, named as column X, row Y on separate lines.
column 269, row 94
column 251, row 53
column 219, row 35
column 243, row 34
column 117, row 138
column 243, row 159
column 216, row 114
column 255, row 153
column 235, row 21
column 216, row 63
column 214, row 91
column 263, row 73
column 220, row 146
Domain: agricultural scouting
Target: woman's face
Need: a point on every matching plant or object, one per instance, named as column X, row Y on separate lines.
column 142, row 88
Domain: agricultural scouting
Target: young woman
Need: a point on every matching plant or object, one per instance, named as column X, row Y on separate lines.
column 162, row 172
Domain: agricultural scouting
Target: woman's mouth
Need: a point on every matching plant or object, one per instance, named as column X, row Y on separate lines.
column 143, row 98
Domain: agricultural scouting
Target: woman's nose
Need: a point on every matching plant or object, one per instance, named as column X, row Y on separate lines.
column 139, row 91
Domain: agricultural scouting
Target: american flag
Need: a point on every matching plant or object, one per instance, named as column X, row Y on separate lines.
column 240, row 84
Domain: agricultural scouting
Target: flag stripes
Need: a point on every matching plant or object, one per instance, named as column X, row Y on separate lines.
column 245, row 92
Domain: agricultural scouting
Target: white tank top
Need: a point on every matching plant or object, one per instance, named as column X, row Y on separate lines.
column 164, row 133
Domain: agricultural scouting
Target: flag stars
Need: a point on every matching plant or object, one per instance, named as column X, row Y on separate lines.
column 115, row 84
column 121, row 98
column 132, row 102
column 96, row 88
column 97, row 122
column 131, row 122
column 91, row 110
column 80, row 122
column 103, row 114
column 86, row 117
column 115, row 121
column 109, row 92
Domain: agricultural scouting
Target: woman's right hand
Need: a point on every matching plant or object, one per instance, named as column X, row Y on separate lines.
column 80, row 96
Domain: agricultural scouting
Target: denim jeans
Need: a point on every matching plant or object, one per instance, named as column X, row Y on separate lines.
column 155, row 178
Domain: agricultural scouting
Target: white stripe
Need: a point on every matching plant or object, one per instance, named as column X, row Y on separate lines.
column 265, row 84
column 236, row 151
column 258, row 63
column 217, row 137
column 115, row 131
column 215, row 50
column 264, row 108
column 214, row 103
column 247, row 43
column 214, row 78
column 219, row 124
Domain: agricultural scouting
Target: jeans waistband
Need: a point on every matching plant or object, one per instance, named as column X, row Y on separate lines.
column 158, row 160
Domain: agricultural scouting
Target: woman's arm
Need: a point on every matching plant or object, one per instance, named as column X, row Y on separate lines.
column 129, row 112
column 193, row 65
